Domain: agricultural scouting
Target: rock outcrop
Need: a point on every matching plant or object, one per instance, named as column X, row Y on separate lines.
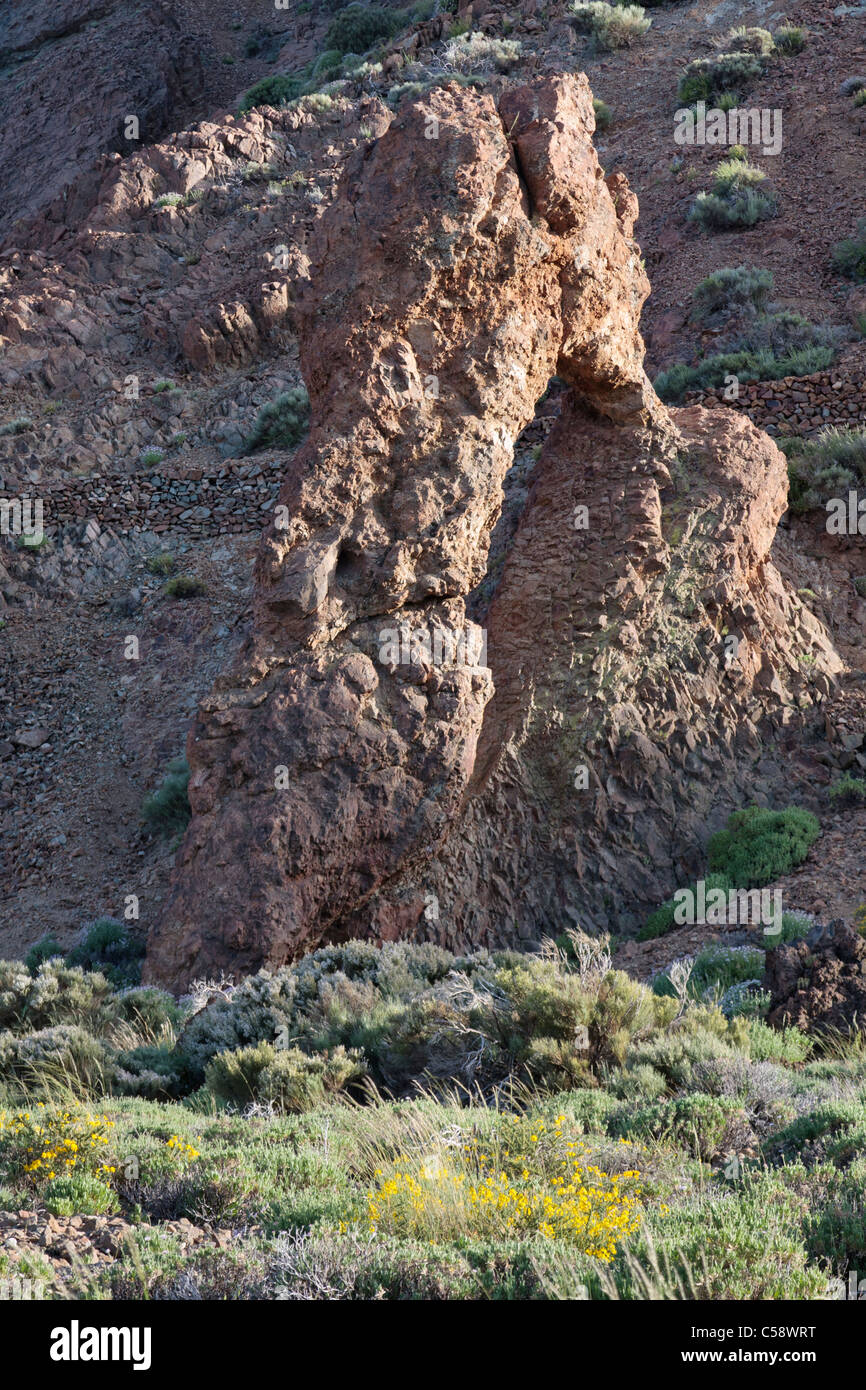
column 818, row 983
column 387, row 756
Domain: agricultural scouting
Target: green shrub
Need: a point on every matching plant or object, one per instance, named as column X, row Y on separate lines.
column 46, row 948
column 79, row 1193
column 610, row 26
column 357, row 28
column 758, row 846
column 167, row 811
column 786, row 1045
column 707, row 79
column 826, row 465
column 663, row 920
column 849, row 256
column 110, row 947
column 732, row 289
column 277, row 90
column 282, row 424
column 603, row 115
column 327, row 64
column 184, row 586
column 294, row 1082
column 789, row 39
column 235, row 1076
column 735, row 199
column 703, row 1125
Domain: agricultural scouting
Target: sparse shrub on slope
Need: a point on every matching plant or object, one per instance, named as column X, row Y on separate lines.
column 167, row 811
column 826, row 465
column 736, row 198
column 477, row 53
column 732, row 290
column 610, row 26
column 707, row 79
column 849, row 256
column 282, row 424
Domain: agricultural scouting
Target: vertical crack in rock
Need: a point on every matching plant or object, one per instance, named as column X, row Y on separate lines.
column 355, row 772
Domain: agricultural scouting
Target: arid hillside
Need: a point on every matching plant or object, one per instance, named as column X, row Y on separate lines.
column 168, row 301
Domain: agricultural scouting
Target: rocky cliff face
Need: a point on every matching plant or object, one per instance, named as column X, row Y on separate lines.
column 129, row 60
column 378, row 761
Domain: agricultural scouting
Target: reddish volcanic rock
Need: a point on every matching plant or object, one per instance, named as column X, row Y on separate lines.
column 818, row 983
column 354, row 774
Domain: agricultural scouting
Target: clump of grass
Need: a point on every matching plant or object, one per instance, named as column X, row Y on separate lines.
column 161, row 563
column 826, row 465
column 736, row 198
column 603, row 114
column 166, row 812
column 281, row 424
column 151, row 457
column 849, row 255
column 757, row 41
column 610, row 26
column 478, row 53
column 847, row 790
column 184, row 586
column 790, row 39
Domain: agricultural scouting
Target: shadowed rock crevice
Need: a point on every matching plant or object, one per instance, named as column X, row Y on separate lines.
column 375, row 763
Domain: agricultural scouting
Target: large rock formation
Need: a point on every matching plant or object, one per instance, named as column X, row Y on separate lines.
column 368, row 767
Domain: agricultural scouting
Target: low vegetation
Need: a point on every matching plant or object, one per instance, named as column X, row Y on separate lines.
column 849, row 255
column 758, row 342
column 282, row 424
column 756, row 847
column 828, row 464
column 740, row 196
column 397, row 1122
column 166, row 812
column 610, row 26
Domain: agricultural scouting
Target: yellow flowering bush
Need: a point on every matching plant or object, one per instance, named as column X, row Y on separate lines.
column 181, row 1149
column 49, row 1143
column 537, row 1182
